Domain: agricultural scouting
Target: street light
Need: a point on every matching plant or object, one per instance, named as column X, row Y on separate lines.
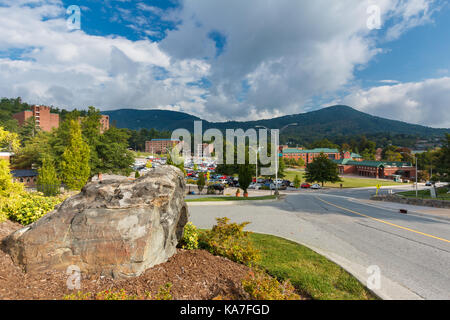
column 277, row 155
column 256, row 156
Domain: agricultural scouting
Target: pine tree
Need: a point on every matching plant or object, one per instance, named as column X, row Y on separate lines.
column 48, row 182
column 245, row 176
column 297, row 181
column 75, row 168
column 201, row 182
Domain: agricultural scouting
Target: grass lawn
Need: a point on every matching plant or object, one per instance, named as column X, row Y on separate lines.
column 349, row 182
column 312, row 274
column 230, row 199
column 425, row 194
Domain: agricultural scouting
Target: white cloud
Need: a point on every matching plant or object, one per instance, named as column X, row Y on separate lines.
column 278, row 56
column 426, row 102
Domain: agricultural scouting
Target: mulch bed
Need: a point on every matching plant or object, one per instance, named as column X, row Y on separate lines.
column 194, row 274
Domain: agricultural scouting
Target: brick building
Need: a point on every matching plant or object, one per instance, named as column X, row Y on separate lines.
column 160, row 145
column 43, row 117
column 104, row 123
column 27, row 177
column 377, row 169
column 6, row 156
column 308, row 156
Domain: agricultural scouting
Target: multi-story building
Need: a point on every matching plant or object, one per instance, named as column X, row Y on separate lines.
column 104, row 123
column 308, row 156
column 160, row 145
column 42, row 115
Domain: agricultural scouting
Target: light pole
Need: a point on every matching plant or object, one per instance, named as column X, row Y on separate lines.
column 415, row 159
column 277, row 155
column 256, row 158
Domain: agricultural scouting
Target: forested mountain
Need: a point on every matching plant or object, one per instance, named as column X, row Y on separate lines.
column 337, row 123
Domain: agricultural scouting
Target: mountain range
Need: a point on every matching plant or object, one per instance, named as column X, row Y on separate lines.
column 331, row 122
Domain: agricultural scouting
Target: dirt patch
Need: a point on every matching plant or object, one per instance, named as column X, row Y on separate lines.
column 194, row 274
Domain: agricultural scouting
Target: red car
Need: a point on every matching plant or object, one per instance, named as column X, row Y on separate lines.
column 305, row 185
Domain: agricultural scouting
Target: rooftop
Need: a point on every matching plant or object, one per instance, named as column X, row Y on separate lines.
column 24, row 173
column 317, row 150
column 377, row 164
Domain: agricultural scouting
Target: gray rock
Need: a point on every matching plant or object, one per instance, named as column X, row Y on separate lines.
column 116, row 228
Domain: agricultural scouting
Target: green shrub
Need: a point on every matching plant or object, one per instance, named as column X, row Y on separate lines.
column 163, row 294
column 230, row 241
column 190, row 237
column 26, row 208
column 261, row 286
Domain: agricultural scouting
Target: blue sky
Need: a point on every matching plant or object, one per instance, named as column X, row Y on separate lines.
column 231, row 60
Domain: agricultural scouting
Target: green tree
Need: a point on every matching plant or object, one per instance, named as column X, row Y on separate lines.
column 75, row 170
column 113, row 154
column 443, row 160
column 394, row 156
column 297, row 181
column 201, row 182
column 245, row 176
column 176, row 162
column 28, row 130
column 90, row 128
column 48, row 182
column 322, row 170
column 34, row 151
column 9, row 141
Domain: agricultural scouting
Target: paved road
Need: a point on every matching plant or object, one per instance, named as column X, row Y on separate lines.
column 412, row 251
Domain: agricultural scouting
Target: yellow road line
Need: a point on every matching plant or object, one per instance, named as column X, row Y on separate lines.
column 382, row 221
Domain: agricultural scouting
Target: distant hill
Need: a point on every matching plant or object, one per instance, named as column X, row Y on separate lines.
column 332, row 122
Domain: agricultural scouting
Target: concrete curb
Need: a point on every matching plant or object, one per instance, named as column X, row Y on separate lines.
column 226, row 203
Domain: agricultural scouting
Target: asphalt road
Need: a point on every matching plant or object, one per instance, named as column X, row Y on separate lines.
column 411, row 251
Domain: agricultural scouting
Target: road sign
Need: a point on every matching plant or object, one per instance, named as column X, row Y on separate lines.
column 378, row 188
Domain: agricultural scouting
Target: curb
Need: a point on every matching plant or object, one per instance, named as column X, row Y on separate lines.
column 225, row 203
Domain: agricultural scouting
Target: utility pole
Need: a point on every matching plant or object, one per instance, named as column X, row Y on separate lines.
column 415, row 158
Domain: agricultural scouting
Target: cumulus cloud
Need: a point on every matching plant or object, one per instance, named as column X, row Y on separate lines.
column 276, row 55
column 426, row 102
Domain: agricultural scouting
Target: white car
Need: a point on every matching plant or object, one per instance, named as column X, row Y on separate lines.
column 316, row 186
column 255, row 186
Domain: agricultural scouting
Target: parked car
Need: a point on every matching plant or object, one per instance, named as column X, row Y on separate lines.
column 428, row 184
column 316, row 186
column 287, row 183
column 255, row 186
column 280, row 186
column 305, row 185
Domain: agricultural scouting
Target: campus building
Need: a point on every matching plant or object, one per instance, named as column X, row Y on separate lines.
column 42, row 115
column 160, row 146
column 27, row 177
column 104, row 123
column 377, row 169
column 308, row 156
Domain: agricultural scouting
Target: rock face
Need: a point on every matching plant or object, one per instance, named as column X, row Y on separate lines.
column 116, row 228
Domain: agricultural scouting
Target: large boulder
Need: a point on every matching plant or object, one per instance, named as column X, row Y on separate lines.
column 116, row 228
